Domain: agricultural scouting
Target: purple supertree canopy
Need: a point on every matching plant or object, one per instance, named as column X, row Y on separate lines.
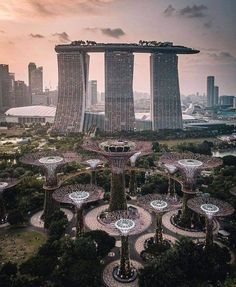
column 117, row 152
column 51, row 162
column 189, row 164
column 6, row 183
column 85, row 192
column 157, row 203
column 206, row 205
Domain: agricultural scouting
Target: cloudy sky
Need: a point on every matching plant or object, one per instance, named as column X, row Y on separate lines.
column 30, row 29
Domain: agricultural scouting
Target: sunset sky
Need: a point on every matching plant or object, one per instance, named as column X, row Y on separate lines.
column 29, row 30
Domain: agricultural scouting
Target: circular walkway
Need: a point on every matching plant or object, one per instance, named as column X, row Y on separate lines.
column 92, row 223
column 36, row 221
column 139, row 244
column 166, row 222
column 109, row 280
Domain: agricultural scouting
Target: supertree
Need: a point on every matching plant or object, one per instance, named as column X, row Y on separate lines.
column 210, row 207
column 158, row 204
column 190, row 166
column 93, row 164
column 124, row 271
column 132, row 182
column 51, row 162
column 78, row 195
column 4, row 185
column 117, row 152
column 233, row 191
column 171, row 170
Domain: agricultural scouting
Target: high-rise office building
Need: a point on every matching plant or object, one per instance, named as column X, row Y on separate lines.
column 216, row 96
column 35, row 79
column 165, row 95
column 22, row 94
column 12, row 90
column 119, row 102
column 72, row 89
column 92, row 92
column 210, row 91
column 4, row 88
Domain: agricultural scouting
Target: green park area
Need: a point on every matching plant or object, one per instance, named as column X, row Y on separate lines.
column 18, row 245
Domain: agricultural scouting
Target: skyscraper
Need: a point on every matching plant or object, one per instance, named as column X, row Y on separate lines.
column 35, row 79
column 216, row 96
column 72, row 89
column 22, row 94
column 4, row 88
column 210, row 91
column 119, row 102
column 165, row 95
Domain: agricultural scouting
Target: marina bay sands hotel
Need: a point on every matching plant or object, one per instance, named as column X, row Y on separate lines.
column 73, row 72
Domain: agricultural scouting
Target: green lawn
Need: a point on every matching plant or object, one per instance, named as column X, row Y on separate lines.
column 179, row 141
column 17, row 245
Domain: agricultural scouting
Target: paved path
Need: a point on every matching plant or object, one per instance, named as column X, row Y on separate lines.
column 108, row 279
column 166, row 222
column 92, row 223
column 139, row 244
column 36, row 221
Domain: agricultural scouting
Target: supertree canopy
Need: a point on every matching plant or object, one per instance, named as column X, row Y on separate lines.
column 190, row 166
column 5, row 183
column 117, row 152
column 51, row 162
column 78, row 194
column 158, row 204
column 210, row 207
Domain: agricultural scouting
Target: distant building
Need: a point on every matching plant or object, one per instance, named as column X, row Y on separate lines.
column 165, row 94
column 5, row 101
column 22, row 94
column 119, row 102
column 35, row 75
column 12, row 90
column 227, row 101
column 216, row 96
column 210, row 91
column 92, row 92
column 31, row 114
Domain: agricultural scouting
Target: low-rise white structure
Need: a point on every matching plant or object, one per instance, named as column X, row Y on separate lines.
column 31, row 114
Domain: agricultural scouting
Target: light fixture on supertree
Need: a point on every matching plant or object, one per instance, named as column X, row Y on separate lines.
column 117, row 152
column 51, row 162
column 210, row 208
column 78, row 195
column 5, row 183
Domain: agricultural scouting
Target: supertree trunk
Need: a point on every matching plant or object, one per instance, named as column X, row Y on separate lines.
column 158, row 234
column 118, row 196
column 93, row 177
column 132, row 182
column 50, row 204
column 125, row 267
column 186, row 212
column 79, row 221
column 2, row 210
column 209, row 232
column 171, row 188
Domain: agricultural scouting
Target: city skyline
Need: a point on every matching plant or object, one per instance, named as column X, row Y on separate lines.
column 206, row 26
